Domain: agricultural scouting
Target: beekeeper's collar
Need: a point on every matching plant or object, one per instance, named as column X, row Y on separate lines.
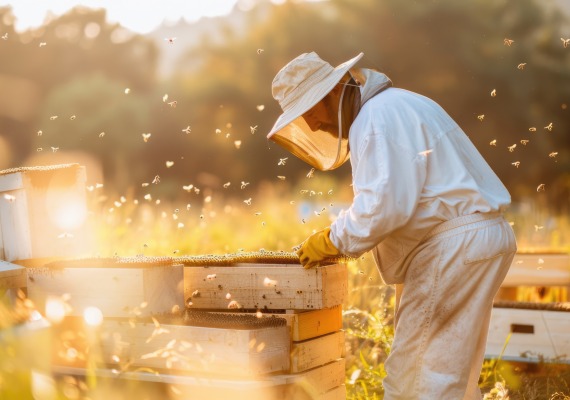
column 299, row 86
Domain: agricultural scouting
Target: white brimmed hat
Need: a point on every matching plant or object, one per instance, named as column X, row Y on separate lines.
column 302, row 83
column 298, row 87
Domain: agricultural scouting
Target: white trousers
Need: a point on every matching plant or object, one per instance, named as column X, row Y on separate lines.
column 443, row 314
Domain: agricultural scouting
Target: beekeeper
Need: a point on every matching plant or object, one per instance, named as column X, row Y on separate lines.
column 426, row 204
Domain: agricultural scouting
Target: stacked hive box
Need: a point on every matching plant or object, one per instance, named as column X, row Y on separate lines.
column 532, row 331
column 78, row 295
column 42, row 213
column 310, row 300
column 252, row 331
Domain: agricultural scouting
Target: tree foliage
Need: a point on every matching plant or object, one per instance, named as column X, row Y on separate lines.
column 457, row 53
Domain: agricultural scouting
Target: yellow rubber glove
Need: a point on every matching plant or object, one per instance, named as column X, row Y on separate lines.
column 317, row 248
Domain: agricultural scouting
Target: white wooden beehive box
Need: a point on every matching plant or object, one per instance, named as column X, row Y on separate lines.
column 530, row 334
column 43, row 212
column 119, row 288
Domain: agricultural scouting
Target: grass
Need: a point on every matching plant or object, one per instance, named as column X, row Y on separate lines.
column 278, row 217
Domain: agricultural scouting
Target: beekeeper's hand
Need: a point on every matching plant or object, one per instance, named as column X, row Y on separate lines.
column 317, row 248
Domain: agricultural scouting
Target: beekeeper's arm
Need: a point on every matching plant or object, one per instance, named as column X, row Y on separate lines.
column 387, row 183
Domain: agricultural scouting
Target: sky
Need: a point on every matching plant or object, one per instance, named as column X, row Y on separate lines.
column 140, row 16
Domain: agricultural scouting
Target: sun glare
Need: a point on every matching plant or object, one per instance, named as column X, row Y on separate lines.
column 140, row 17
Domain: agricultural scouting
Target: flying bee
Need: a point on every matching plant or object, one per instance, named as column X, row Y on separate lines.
column 170, row 40
column 524, row 141
column 516, row 164
column 481, row 117
column 493, row 142
column 540, row 187
column 512, row 148
column 508, row 42
column 565, row 42
column 548, row 127
column 187, row 130
column 253, row 129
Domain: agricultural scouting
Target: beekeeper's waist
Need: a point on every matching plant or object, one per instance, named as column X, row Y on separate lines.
column 463, row 224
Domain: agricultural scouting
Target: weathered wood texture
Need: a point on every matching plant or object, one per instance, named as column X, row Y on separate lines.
column 117, row 292
column 539, row 270
column 42, row 212
column 217, row 351
column 307, row 324
column 266, row 286
column 12, row 276
column 310, row 324
column 529, row 334
column 318, row 351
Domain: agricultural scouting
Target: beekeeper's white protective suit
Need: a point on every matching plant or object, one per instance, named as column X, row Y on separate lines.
column 429, row 208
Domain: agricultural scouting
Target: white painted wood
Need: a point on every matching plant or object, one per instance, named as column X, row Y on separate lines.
column 266, row 286
column 217, row 351
column 558, row 324
column 39, row 213
column 539, row 270
column 9, row 182
column 15, row 226
column 549, row 338
column 117, row 292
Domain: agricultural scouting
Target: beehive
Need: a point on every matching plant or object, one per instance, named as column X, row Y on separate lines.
column 42, row 212
column 530, row 332
column 278, row 349
column 120, row 287
column 268, row 286
column 214, row 343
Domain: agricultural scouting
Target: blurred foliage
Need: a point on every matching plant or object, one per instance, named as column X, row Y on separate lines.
column 219, row 86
